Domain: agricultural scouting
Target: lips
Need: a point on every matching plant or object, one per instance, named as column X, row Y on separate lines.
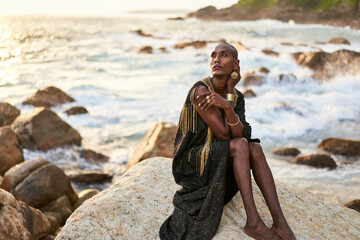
column 216, row 67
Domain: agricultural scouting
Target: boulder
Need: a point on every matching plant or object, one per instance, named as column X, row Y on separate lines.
column 42, row 129
column 10, row 150
column 349, row 148
column 270, row 52
column 195, row 44
column 20, row 221
column 93, row 157
column 263, row 70
column 158, row 142
column 38, row 183
column 287, row 44
column 327, row 65
column 354, row 204
column 339, row 41
column 141, row 33
column 141, row 200
column 253, row 79
column 48, row 97
column 88, row 177
column 83, row 196
column 287, row 151
column 248, row 93
column 8, row 113
column 316, row 160
column 239, row 46
column 146, row 50
column 76, row 111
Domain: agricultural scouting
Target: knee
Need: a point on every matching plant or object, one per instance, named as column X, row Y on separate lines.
column 256, row 151
column 239, row 147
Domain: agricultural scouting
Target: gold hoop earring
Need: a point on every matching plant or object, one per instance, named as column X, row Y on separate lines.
column 234, row 75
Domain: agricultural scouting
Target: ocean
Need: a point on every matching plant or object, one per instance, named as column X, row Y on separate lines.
column 95, row 60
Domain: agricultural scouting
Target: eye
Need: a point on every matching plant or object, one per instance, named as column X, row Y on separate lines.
column 224, row 54
column 213, row 55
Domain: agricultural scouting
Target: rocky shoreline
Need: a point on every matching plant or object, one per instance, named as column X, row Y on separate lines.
column 341, row 16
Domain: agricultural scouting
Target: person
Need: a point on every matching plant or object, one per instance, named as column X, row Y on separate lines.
column 214, row 154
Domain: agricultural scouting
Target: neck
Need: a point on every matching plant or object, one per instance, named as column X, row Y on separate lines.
column 219, row 84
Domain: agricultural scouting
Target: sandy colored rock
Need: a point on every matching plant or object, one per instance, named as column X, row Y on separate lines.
column 263, row 70
column 136, row 206
column 340, row 146
column 158, row 142
column 93, row 157
column 327, row 65
column 42, row 129
column 10, row 150
column 48, row 97
column 253, row 79
column 239, row 46
column 8, row 113
column 1, row 179
column 141, row 33
column 19, row 221
column 76, row 111
column 270, row 52
column 354, row 204
column 83, row 196
column 316, row 160
column 146, row 50
column 248, row 93
column 339, row 41
column 19, row 172
column 287, row 151
column 195, row 44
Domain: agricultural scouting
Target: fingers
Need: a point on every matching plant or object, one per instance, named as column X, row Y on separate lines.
column 207, row 102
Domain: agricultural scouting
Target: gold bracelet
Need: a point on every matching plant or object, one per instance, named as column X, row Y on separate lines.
column 233, row 124
column 230, row 97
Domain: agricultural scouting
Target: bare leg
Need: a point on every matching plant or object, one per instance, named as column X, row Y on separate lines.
column 265, row 181
column 255, row 227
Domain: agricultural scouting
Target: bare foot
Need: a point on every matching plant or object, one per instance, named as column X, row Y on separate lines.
column 259, row 231
column 284, row 231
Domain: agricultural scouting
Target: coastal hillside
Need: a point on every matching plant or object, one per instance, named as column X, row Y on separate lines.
column 342, row 15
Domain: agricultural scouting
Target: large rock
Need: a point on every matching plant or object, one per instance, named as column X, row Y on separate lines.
column 84, row 176
column 136, row 206
column 93, row 157
column 10, row 150
column 287, row 151
column 76, row 111
column 195, row 44
column 83, row 196
column 158, row 142
column 19, row 221
column 339, row 41
column 316, row 160
column 248, row 93
column 48, row 97
column 340, row 146
column 327, row 65
column 253, row 79
column 8, row 113
column 38, row 183
column 354, row 204
column 43, row 129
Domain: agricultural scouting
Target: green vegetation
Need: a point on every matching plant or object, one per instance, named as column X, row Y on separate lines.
column 323, row 5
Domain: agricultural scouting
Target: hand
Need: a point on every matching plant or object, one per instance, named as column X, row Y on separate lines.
column 231, row 83
column 211, row 98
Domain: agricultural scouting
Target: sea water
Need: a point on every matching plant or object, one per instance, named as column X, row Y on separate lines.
column 95, row 60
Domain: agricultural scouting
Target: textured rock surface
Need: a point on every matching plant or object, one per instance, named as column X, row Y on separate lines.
column 287, row 151
column 8, row 113
column 136, row 206
column 158, row 142
column 19, row 221
column 43, row 129
column 340, row 146
column 10, row 150
column 37, row 183
column 48, row 97
column 83, row 196
column 316, row 160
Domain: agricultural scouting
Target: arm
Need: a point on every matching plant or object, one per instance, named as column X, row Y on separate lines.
column 212, row 115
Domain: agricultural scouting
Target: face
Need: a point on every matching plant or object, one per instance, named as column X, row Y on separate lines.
column 222, row 60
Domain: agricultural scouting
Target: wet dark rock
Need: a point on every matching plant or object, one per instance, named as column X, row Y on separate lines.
column 88, row 177
column 43, row 129
column 8, row 113
column 93, row 157
column 354, row 204
column 287, row 151
column 316, row 160
column 146, row 50
column 10, row 150
column 349, row 148
column 76, row 111
column 141, row 33
column 48, row 97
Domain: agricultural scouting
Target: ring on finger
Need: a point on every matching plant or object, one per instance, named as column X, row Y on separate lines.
column 208, row 101
column 207, row 97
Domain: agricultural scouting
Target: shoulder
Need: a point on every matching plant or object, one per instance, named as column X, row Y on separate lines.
column 198, row 88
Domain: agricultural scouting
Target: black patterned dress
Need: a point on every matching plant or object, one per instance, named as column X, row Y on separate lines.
column 200, row 166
